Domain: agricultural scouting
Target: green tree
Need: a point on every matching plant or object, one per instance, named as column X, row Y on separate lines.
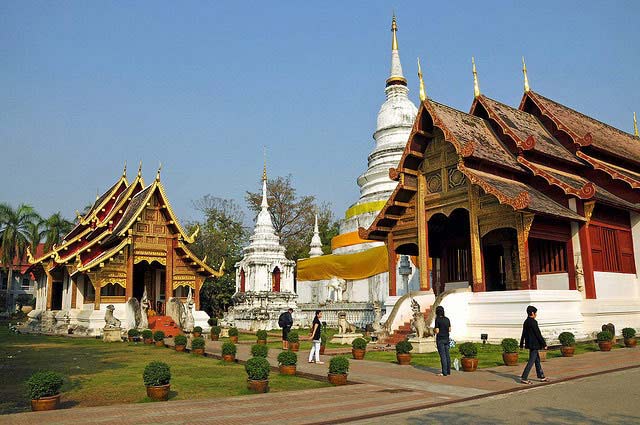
column 37, row 232
column 14, row 236
column 222, row 236
column 56, row 228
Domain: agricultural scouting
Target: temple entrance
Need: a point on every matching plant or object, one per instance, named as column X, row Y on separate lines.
column 500, row 257
column 275, row 280
column 56, row 296
column 449, row 249
column 152, row 277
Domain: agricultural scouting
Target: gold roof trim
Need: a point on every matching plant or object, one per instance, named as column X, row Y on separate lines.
column 201, row 263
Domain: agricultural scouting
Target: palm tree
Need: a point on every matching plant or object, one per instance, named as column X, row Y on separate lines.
column 14, row 236
column 37, row 232
column 56, row 228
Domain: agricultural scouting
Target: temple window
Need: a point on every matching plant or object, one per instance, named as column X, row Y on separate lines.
column 275, row 280
column 112, row 290
column 242, row 280
column 547, row 256
column 88, row 291
column 457, row 264
column 611, row 243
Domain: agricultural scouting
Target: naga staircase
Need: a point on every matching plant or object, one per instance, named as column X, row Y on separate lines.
column 164, row 324
column 403, row 331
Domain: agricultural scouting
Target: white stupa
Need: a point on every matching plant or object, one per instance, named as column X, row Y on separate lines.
column 316, row 242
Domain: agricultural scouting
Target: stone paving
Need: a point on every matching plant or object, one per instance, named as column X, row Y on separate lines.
column 377, row 389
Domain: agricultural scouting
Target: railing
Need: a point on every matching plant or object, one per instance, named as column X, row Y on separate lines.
column 360, row 314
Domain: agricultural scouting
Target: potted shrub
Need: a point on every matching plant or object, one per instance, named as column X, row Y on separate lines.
column 133, row 334
column 287, row 361
column 604, row 340
column 629, row 335
column 197, row 332
column 403, row 352
column 469, row 352
column 258, row 369
column 259, row 350
column 44, row 390
column 229, row 352
column 215, row 332
column 294, row 340
column 158, row 337
column 323, row 342
column 180, row 342
column 213, row 321
column 147, row 336
column 568, row 342
column 510, row 351
column 261, row 335
column 233, row 335
column 197, row 346
column 358, row 348
column 156, row 377
column 338, row 370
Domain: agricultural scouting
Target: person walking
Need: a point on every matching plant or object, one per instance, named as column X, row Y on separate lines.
column 532, row 339
column 316, row 330
column 442, row 329
column 285, row 321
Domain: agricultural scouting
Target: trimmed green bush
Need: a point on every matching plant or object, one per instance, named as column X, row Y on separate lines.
column 229, row 349
column 404, row 347
column 233, row 332
column 133, row 333
column 339, row 365
column 257, row 368
column 44, row 384
column 215, row 329
column 567, row 339
column 604, row 336
column 197, row 343
column 261, row 335
column 158, row 336
column 359, row 344
column 147, row 334
column 509, row 345
column 259, row 350
column 197, row 329
column 156, row 374
column 468, row 349
column 213, row 321
column 293, row 336
column 323, row 338
column 628, row 333
column 180, row 340
column 287, row 358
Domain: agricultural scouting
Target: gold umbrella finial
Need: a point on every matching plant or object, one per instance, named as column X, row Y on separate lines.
column 526, row 79
column 635, row 126
column 158, row 173
column 476, row 86
column 423, row 92
column 394, row 30
column 264, row 168
column 124, row 170
column 140, row 169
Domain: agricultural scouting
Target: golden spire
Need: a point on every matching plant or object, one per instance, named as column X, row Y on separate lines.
column 635, row 126
column 97, row 193
column 526, row 79
column 476, row 86
column 394, row 30
column 124, row 171
column 158, row 173
column 264, row 169
column 140, row 169
column 423, row 93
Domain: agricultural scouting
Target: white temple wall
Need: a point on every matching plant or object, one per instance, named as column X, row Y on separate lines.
column 615, row 285
column 622, row 313
column 553, row 281
column 635, row 236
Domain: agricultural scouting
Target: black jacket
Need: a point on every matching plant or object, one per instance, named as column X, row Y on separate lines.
column 531, row 337
column 288, row 319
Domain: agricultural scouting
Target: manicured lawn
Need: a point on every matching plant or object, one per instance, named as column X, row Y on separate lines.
column 489, row 355
column 274, row 341
column 98, row 373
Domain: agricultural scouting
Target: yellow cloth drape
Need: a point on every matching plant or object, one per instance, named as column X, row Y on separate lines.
column 349, row 266
column 364, row 208
column 347, row 239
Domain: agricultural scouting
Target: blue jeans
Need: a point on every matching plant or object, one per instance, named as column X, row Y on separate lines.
column 445, row 359
column 534, row 358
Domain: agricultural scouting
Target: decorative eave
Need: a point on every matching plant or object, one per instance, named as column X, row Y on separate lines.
column 519, row 202
column 200, row 265
column 625, row 176
column 121, row 202
column 465, row 150
column 586, row 191
column 105, row 256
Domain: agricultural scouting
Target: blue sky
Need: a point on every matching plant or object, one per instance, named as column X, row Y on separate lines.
column 203, row 86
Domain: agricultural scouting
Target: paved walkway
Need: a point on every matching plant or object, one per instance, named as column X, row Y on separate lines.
column 378, row 389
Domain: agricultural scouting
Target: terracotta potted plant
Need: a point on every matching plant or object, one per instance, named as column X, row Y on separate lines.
column 509, row 351
column 604, row 340
column 338, row 370
column 180, row 342
column 294, row 340
column 287, row 361
column 197, row 346
column 158, row 338
column 215, row 332
column 229, row 352
column 323, row 342
column 259, row 350
column 233, row 335
column 258, row 369
column 403, row 352
column 197, row 332
column 358, row 348
column 157, row 377
column 629, row 335
column 44, row 390
column 261, row 335
column 133, row 334
column 469, row 352
column 147, row 336
column 568, row 342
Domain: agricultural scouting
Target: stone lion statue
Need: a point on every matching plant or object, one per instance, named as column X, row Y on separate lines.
column 110, row 319
column 418, row 324
column 344, row 327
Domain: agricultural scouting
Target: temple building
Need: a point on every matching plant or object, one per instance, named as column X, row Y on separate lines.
column 129, row 244
column 505, row 207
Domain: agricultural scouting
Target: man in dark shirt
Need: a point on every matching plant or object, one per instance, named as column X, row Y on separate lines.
column 532, row 339
column 442, row 328
column 286, row 327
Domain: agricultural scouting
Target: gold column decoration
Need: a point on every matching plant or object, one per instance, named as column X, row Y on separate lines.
column 523, row 248
column 423, row 238
column 527, row 221
column 588, row 210
column 474, row 234
column 526, row 79
column 476, row 85
column 423, row 93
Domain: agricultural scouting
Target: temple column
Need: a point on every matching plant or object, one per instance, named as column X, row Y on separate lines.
column 74, row 293
column 392, row 258
column 574, row 250
column 523, row 226
column 196, row 295
column 49, row 286
column 585, row 209
column 168, row 281
column 128, row 292
column 96, row 302
column 474, row 234
column 423, row 233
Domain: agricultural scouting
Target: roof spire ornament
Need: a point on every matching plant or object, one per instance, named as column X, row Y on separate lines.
column 158, row 173
column 264, row 169
column 476, row 86
column 635, row 126
column 526, row 79
column 140, row 169
column 394, row 30
column 124, row 171
column 396, row 77
column 316, row 242
column 423, row 93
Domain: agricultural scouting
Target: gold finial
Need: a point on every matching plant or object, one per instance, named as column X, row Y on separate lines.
column 264, row 169
column 97, row 193
column 476, row 86
column 526, row 79
column 635, row 126
column 78, row 215
column 423, row 93
column 394, row 30
column 124, row 170
column 158, row 173
column 140, row 169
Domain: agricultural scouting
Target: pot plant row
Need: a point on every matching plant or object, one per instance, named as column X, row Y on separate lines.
column 294, row 340
column 215, row 329
column 261, row 337
column 338, row 370
column 287, row 361
column 44, row 390
column 629, row 335
column 358, row 348
column 469, row 352
column 403, row 352
column 258, row 369
column 157, row 378
column 509, row 351
column 233, row 335
column 229, row 352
